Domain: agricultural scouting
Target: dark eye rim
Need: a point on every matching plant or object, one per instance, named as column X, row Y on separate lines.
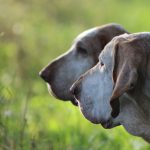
column 101, row 63
column 82, row 50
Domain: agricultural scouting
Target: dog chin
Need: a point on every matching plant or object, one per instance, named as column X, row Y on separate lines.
column 89, row 117
column 64, row 98
column 51, row 92
column 109, row 125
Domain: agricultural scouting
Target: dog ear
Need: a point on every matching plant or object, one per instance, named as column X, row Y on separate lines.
column 124, row 76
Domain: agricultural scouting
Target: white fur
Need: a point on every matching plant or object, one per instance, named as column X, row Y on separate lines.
column 89, row 32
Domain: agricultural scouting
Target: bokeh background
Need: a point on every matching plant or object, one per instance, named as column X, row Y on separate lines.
column 32, row 33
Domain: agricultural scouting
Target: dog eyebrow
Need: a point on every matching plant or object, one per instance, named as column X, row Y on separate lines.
column 80, row 44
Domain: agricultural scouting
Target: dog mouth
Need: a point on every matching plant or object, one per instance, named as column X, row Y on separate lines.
column 105, row 124
column 61, row 97
column 51, row 92
column 86, row 110
column 74, row 102
column 109, row 124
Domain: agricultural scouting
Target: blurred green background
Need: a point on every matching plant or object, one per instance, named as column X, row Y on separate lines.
column 32, row 33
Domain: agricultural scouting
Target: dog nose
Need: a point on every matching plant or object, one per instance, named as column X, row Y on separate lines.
column 76, row 90
column 76, row 87
column 44, row 75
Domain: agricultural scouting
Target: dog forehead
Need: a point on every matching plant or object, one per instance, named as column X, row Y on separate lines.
column 87, row 33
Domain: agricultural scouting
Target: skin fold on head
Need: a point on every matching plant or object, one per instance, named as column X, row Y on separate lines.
column 116, row 90
column 61, row 73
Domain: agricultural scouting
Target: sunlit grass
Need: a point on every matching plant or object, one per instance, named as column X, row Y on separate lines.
column 32, row 33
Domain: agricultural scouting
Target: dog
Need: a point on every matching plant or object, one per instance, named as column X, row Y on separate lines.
column 117, row 89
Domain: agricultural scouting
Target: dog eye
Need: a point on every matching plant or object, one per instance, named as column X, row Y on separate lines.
column 101, row 63
column 82, row 51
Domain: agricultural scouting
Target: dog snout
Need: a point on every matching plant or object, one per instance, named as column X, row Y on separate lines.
column 44, row 75
column 108, row 124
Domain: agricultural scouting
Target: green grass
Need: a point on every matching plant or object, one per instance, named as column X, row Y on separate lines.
column 32, row 33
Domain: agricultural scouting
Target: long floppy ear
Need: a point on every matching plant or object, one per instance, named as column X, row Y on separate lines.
column 124, row 75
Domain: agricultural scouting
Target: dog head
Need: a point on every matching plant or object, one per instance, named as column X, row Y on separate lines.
column 61, row 73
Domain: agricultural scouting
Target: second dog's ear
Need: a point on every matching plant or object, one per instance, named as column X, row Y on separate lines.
column 124, row 74
column 126, row 81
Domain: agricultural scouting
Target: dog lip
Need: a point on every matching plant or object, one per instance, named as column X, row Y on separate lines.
column 51, row 91
column 74, row 102
column 95, row 121
column 107, row 124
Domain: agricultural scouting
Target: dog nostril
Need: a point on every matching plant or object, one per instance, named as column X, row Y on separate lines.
column 43, row 75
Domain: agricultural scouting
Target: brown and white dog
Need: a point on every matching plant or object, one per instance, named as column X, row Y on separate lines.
column 83, row 55
column 123, row 70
